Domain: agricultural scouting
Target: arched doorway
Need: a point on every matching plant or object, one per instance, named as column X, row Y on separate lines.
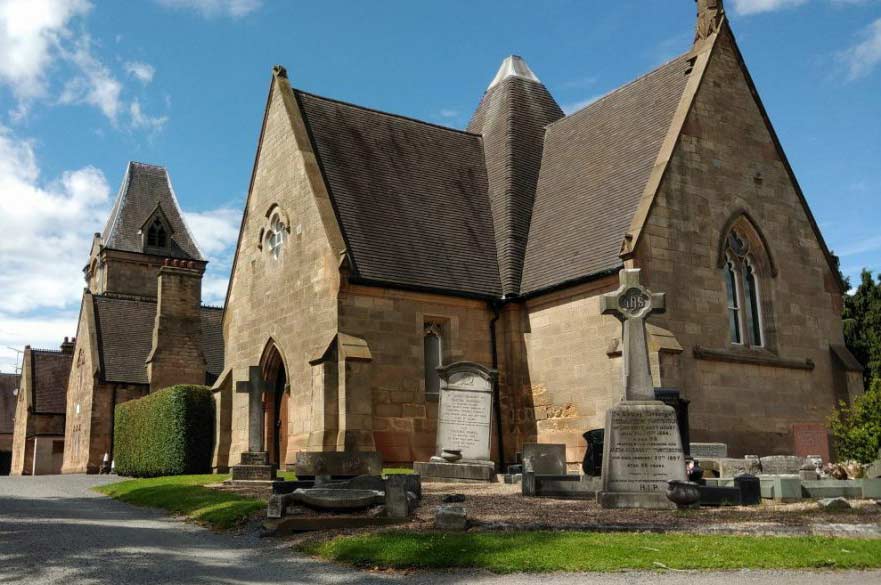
column 275, row 405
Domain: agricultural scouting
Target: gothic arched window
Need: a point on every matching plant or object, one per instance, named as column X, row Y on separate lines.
column 742, row 289
column 276, row 235
column 432, row 344
column 157, row 236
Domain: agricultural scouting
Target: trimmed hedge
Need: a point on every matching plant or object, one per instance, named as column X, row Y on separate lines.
column 169, row 432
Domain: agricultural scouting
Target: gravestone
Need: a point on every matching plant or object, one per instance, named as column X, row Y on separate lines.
column 672, row 397
column 781, row 464
column 811, row 439
column 709, row 450
column 547, row 459
column 464, row 424
column 642, row 448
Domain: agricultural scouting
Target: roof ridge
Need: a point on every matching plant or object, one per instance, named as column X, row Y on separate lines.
column 125, row 297
column 150, row 165
column 623, row 87
column 211, row 307
column 384, row 113
column 41, row 350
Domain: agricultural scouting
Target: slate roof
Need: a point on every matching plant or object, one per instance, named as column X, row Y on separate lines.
column 8, row 383
column 524, row 201
column 411, row 197
column 143, row 188
column 511, row 118
column 125, row 337
column 49, row 373
column 595, row 167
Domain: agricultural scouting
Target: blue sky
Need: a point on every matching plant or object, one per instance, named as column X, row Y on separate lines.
column 86, row 86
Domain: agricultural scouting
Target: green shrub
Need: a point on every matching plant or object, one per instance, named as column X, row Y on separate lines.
column 169, row 432
column 857, row 429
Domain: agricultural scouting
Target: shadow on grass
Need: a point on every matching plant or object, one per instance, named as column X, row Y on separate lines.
column 186, row 495
column 573, row 551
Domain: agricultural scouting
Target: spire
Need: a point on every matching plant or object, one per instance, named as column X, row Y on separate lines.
column 513, row 66
column 710, row 14
column 511, row 118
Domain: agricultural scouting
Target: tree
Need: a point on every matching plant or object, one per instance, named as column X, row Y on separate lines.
column 862, row 325
column 857, row 428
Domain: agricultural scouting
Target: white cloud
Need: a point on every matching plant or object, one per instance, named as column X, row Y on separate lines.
column 864, row 56
column 216, row 231
column 869, row 244
column 758, row 6
column 140, row 120
column 93, row 84
column 211, row 8
column 38, row 332
column 143, row 72
column 45, row 51
column 30, row 31
column 47, row 229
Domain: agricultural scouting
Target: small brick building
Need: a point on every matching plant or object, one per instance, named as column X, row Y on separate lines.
column 38, row 438
column 141, row 326
column 8, row 395
column 375, row 247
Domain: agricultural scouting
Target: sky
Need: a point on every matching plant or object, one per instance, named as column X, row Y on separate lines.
column 87, row 85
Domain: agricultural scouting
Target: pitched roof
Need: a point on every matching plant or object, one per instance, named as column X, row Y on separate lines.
column 410, row 197
column 125, row 337
column 49, row 373
column 511, row 118
column 8, row 383
column 145, row 190
column 595, row 167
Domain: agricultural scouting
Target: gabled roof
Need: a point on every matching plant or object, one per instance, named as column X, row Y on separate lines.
column 8, row 384
column 410, row 197
column 49, row 373
column 144, row 188
column 595, row 168
column 511, row 118
column 125, row 337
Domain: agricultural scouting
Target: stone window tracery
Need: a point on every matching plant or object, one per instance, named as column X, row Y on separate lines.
column 742, row 289
column 157, row 235
column 276, row 235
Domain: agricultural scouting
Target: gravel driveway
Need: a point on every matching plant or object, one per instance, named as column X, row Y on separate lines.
column 54, row 529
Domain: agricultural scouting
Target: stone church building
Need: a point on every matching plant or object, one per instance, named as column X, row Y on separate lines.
column 38, row 426
column 375, row 247
column 141, row 326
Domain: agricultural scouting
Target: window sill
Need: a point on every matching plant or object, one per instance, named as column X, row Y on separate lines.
column 755, row 357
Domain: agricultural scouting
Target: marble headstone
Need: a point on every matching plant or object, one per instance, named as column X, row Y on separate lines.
column 465, row 410
column 642, row 449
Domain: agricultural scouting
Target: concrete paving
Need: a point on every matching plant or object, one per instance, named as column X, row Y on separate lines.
column 54, row 529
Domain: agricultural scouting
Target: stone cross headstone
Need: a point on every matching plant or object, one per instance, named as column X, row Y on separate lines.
column 632, row 303
column 642, row 447
column 465, row 410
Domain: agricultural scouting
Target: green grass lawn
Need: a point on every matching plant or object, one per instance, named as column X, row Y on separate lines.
column 185, row 494
column 577, row 551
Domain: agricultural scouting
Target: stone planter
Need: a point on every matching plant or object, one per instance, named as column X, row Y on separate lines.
column 451, row 455
column 684, row 494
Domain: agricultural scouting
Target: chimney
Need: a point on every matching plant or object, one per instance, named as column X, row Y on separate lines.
column 177, row 357
column 710, row 14
column 68, row 345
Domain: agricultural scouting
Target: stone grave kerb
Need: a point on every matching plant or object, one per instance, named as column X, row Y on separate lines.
column 631, row 304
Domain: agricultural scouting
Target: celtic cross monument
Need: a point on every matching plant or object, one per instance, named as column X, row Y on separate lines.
column 642, row 448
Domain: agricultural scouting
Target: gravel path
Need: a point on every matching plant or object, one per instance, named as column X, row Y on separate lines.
column 54, row 529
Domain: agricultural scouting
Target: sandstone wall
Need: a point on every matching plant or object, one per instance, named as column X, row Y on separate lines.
column 291, row 300
column 726, row 162
column 392, row 322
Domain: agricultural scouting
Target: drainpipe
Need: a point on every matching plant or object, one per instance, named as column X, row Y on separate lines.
column 497, row 402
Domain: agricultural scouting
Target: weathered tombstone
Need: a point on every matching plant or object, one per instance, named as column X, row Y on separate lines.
column 592, row 465
column 547, row 459
column 811, row 439
column 643, row 448
column 709, row 450
column 750, row 488
column 781, row 464
column 672, row 397
column 464, row 424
